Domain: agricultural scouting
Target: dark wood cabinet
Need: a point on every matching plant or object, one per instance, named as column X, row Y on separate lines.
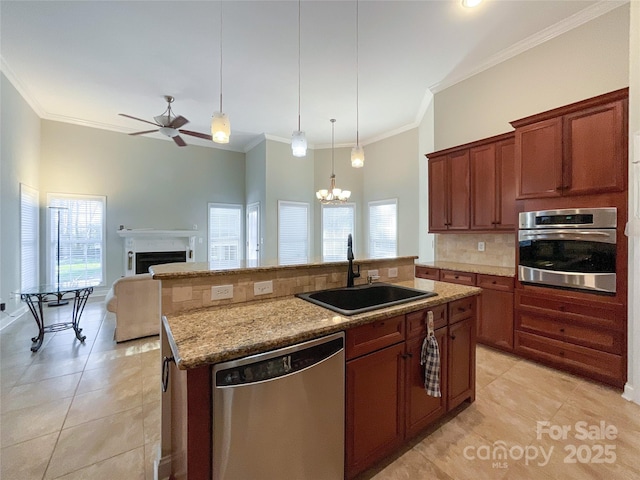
column 472, row 186
column 430, row 273
column 495, row 319
column 449, row 192
column 455, row 276
column 374, row 399
column 386, row 400
column 582, row 336
column 493, row 200
column 579, row 149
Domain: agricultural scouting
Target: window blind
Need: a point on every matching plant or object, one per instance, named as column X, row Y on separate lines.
column 338, row 221
column 82, row 239
column 225, row 235
column 293, row 233
column 383, row 228
column 29, row 237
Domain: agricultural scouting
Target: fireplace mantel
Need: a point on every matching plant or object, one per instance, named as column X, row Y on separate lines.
column 145, row 240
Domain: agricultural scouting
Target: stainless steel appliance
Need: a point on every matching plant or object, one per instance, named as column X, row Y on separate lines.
column 570, row 248
column 280, row 414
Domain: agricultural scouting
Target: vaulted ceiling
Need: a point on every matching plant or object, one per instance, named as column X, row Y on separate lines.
column 86, row 61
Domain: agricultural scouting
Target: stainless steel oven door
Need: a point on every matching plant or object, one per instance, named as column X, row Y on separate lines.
column 580, row 259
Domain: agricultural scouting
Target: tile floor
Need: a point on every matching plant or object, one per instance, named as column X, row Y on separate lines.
column 92, row 411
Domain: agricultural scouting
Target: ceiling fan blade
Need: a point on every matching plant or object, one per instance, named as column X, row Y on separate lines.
column 142, row 133
column 139, row 119
column 179, row 141
column 196, row 134
column 178, row 122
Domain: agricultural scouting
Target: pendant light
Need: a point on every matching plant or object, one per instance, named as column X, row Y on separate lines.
column 333, row 195
column 220, row 125
column 357, row 152
column 298, row 139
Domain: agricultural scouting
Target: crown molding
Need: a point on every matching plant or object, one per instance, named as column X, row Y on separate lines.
column 574, row 21
column 21, row 88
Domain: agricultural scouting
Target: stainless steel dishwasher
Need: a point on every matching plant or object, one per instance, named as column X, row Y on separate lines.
column 280, row 414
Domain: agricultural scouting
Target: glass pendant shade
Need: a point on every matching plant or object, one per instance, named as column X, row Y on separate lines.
column 357, row 157
column 220, row 127
column 299, row 144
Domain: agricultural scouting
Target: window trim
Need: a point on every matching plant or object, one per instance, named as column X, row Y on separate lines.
column 308, row 207
column 241, row 239
column 389, row 201
column 322, row 207
column 76, row 196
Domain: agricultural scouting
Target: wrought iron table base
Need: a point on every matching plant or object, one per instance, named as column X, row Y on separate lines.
column 35, row 301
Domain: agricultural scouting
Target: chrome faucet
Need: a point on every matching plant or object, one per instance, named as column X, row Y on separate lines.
column 350, row 273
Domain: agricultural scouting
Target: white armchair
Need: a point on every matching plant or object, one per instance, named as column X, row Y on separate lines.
column 136, row 302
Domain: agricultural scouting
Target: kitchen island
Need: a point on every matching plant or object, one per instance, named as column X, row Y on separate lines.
column 197, row 339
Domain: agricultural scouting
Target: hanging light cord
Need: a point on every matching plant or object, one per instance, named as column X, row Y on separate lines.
column 298, row 65
column 333, row 128
column 220, row 56
column 357, row 75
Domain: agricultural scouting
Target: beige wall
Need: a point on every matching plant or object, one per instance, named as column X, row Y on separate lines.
column 500, row 249
column 586, row 61
column 20, row 158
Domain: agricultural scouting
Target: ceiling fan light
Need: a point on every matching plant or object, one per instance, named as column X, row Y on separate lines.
column 299, row 144
column 220, row 127
column 471, row 3
column 357, row 157
column 168, row 131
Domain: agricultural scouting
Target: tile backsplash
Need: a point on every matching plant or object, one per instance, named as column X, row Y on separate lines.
column 500, row 249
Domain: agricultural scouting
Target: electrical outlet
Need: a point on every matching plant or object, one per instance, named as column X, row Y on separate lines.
column 481, row 246
column 263, row 288
column 3, row 307
column 221, row 292
column 372, row 273
column 393, row 272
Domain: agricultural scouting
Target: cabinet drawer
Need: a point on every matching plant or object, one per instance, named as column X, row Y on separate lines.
column 374, row 336
column 463, row 278
column 417, row 321
column 601, row 339
column 495, row 282
column 592, row 363
column 576, row 311
column 430, row 273
column 461, row 309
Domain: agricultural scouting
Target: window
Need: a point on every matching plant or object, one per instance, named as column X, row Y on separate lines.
column 253, row 235
column 338, row 221
column 383, row 229
column 225, row 235
column 79, row 256
column 29, row 237
column 293, row 233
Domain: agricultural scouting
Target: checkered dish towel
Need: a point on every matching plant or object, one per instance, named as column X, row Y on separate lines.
column 430, row 358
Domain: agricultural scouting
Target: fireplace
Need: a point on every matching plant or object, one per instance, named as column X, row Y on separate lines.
column 146, row 247
column 146, row 259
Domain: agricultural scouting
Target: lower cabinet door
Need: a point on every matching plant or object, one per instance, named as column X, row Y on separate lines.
column 461, row 362
column 495, row 322
column 422, row 409
column 373, row 413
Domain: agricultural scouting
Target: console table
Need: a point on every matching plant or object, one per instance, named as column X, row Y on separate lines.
column 36, row 296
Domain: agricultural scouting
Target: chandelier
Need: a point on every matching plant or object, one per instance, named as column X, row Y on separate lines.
column 333, row 195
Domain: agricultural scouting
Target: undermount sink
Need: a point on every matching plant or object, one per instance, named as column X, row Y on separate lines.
column 364, row 298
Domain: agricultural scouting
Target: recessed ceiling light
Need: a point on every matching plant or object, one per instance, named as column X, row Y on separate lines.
column 471, row 3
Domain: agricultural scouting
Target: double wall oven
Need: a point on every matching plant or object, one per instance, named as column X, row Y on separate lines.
column 569, row 248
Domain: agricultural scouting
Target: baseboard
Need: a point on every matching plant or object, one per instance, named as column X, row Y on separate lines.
column 161, row 467
column 631, row 394
column 7, row 318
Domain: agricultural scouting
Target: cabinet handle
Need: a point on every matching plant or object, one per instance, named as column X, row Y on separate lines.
column 379, row 324
column 462, row 309
column 562, row 308
column 494, row 282
column 456, row 277
column 165, row 372
column 453, row 337
column 562, row 330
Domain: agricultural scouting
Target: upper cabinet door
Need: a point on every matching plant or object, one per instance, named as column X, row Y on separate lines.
column 438, row 194
column 483, row 187
column 595, row 150
column 538, row 151
column 507, row 217
column 459, row 188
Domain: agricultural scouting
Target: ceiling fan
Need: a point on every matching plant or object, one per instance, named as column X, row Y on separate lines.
column 168, row 124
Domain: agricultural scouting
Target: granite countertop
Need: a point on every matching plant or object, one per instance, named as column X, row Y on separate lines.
column 471, row 268
column 213, row 335
column 204, row 269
